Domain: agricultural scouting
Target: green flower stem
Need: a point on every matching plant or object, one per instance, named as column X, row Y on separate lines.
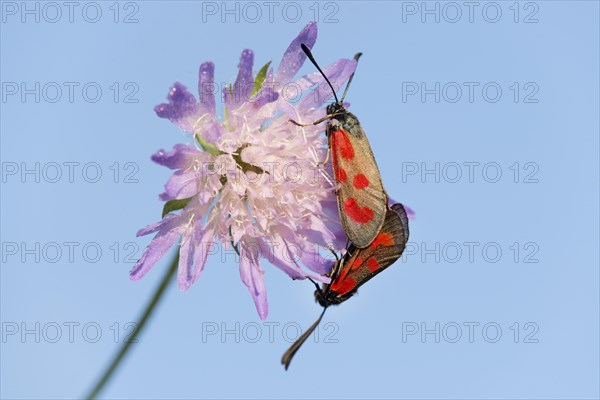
column 160, row 290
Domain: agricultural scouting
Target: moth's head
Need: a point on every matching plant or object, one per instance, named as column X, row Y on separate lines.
column 335, row 108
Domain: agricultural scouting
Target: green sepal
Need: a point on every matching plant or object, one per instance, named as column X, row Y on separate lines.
column 208, row 147
column 174, row 205
column 260, row 79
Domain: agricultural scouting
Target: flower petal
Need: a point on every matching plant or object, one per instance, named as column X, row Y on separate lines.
column 205, row 239
column 181, row 185
column 410, row 213
column 294, row 249
column 161, row 243
column 295, row 257
column 210, row 131
column 186, row 261
column 312, row 258
column 337, row 73
column 252, row 276
column 317, row 231
column 157, row 226
column 294, row 57
column 206, row 87
column 270, row 251
column 181, row 157
column 331, row 216
column 265, row 96
column 240, row 92
column 181, row 109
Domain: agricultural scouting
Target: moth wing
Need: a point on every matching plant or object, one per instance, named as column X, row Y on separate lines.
column 401, row 211
column 361, row 198
column 363, row 264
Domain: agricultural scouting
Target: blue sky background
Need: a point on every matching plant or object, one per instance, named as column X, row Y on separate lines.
column 549, row 287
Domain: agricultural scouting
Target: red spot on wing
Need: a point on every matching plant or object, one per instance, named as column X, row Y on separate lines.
column 343, row 145
column 357, row 263
column 359, row 214
column 350, row 267
column 382, row 239
column 372, row 264
column 360, row 181
column 344, row 286
column 341, row 175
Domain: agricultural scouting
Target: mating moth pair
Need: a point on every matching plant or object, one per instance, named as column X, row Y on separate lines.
column 376, row 231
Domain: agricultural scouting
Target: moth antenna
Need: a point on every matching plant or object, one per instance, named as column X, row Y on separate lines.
column 289, row 354
column 306, row 51
column 356, row 57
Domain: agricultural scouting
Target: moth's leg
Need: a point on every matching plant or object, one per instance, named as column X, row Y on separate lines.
column 334, row 254
column 332, row 272
column 324, row 162
column 337, row 267
column 317, row 122
column 316, row 285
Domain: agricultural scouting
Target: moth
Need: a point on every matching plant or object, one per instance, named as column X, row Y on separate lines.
column 358, row 266
column 361, row 198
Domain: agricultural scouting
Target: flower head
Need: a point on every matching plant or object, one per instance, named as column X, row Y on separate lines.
column 253, row 181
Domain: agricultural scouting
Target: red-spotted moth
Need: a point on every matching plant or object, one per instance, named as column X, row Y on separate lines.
column 357, row 267
column 362, row 201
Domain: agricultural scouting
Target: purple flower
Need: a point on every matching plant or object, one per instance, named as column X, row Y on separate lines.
column 252, row 181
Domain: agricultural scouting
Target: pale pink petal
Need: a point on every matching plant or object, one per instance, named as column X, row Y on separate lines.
column 161, row 243
column 252, row 276
column 294, row 57
column 186, row 261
